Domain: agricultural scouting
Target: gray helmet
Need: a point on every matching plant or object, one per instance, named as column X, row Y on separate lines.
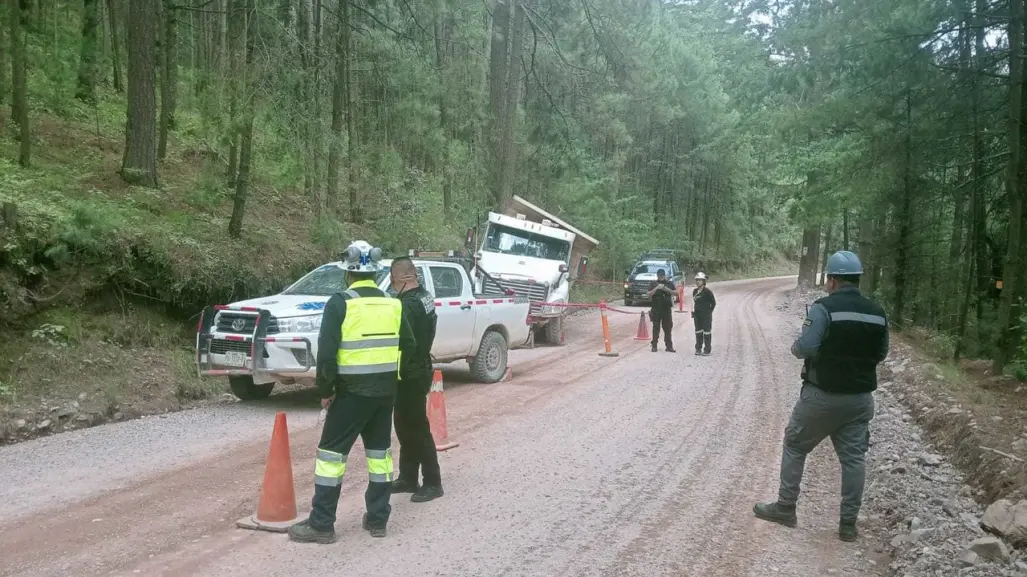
column 844, row 262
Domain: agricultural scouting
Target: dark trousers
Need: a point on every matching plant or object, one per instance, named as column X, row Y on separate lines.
column 703, row 330
column 350, row 416
column 665, row 319
column 416, row 446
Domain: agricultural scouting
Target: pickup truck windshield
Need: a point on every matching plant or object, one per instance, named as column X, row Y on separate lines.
column 325, row 281
column 506, row 240
column 651, row 268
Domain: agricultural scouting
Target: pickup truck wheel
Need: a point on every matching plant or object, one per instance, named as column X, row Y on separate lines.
column 489, row 365
column 554, row 331
column 245, row 389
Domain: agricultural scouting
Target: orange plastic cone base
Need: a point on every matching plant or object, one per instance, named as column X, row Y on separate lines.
column 681, row 299
column 276, row 510
column 643, row 329
column 437, row 414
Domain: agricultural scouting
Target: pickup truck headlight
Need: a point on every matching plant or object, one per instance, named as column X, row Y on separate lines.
column 307, row 324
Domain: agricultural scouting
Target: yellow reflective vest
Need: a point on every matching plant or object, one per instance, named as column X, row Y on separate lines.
column 368, row 352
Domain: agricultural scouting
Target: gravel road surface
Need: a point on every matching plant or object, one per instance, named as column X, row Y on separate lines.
column 644, row 464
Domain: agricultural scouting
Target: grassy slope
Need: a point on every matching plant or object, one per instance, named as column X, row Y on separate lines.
column 98, row 279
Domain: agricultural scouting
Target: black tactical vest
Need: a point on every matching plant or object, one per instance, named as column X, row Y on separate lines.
column 851, row 349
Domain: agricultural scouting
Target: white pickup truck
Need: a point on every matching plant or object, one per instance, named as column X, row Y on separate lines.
column 261, row 342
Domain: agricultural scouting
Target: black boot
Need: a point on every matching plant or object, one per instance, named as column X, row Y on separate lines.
column 302, row 532
column 427, row 493
column 402, row 485
column 847, row 531
column 374, row 531
column 776, row 513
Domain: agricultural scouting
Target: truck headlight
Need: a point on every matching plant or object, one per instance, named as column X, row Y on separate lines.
column 307, row 324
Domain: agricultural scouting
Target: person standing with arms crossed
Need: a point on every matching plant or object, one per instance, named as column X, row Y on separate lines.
column 358, row 355
column 662, row 294
column 417, row 447
column 703, row 303
column 843, row 339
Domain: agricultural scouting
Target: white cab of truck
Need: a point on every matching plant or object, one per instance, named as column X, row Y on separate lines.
column 261, row 342
column 530, row 251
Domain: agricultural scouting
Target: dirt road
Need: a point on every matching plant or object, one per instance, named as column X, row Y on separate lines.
column 645, row 464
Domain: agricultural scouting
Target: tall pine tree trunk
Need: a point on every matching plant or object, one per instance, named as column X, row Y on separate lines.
column 139, row 165
column 18, row 17
column 169, row 77
column 513, row 97
column 1013, row 268
column 87, row 70
column 112, row 17
column 242, row 181
column 339, row 98
column 498, row 72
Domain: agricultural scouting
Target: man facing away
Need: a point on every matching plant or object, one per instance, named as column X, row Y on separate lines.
column 417, row 447
column 358, row 354
column 662, row 294
column 843, row 339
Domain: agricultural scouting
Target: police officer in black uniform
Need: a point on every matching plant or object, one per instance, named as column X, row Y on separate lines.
column 417, row 448
column 844, row 338
column 662, row 294
column 703, row 303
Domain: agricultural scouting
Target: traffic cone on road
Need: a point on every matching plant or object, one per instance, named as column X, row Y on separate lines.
column 681, row 298
column 643, row 329
column 437, row 414
column 276, row 511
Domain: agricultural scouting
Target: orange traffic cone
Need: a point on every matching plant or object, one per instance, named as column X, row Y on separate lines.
column 681, row 298
column 437, row 414
column 643, row 329
column 276, row 511
column 507, row 375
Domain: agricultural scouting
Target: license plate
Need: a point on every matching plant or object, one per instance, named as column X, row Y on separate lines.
column 235, row 359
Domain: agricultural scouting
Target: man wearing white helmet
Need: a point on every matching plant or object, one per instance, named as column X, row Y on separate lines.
column 358, row 354
column 703, row 303
column 843, row 339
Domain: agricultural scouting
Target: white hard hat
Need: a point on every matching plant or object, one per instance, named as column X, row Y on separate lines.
column 360, row 256
column 700, row 276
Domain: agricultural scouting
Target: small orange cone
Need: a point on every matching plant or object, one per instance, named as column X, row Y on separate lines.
column 437, row 414
column 276, row 511
column 681, row 298
column 507, row 375
column 643, row 329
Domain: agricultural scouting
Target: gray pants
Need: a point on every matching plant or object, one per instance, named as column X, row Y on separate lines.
column 844, row 418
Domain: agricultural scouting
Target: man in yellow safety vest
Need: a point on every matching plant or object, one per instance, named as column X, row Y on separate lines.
column 358, row 353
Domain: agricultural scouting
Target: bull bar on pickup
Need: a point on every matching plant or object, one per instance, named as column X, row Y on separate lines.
column 255, row 362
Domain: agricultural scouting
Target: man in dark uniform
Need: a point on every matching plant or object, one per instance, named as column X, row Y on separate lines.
column 358, row 352
column 417, row 447
column 703, row 303
column 843, row 339
column 661, row 292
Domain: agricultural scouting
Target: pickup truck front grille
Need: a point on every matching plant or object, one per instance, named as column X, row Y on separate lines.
column 220, row 347
column 249, row 323
column 536, row 292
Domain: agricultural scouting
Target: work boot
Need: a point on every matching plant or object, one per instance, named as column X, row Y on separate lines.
column 706, row 353
column 670, row 349
column 302, row 532
column 654, row 348
column 402, row 485
column 374, row 531
column 427, row 493
column 776, row 513
column 847, row 531
column 698, row 352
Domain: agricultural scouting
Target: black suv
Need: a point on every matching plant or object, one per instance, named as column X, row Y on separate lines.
column 642, row 275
